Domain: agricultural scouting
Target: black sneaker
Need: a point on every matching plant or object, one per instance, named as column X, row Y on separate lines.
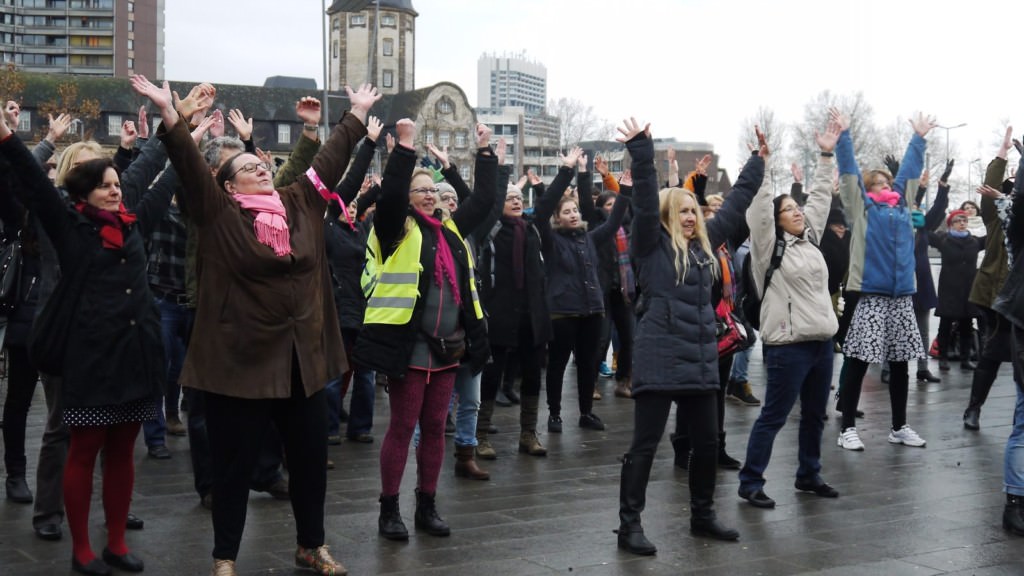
column 740, row 392
column 591, row 422
column 555, row 424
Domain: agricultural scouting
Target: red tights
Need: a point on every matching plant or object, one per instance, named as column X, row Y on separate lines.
column 418, row 397
column 118, row 443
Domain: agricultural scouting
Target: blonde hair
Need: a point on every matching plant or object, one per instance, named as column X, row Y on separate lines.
column 671, row 203
column 421, row 171
column 70, row 155
column 714, row 197
column 868, row 176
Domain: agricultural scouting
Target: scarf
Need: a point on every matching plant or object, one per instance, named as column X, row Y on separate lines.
column 959, row 233
column 444, row 262
column 885, row 197
column 725, row 264
column 271, row 223
column 627, row 284
column 518, row 249
column 112, row 224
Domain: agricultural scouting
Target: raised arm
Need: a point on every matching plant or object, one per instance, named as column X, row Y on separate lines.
column 475, row 209
column 912, row 164
column 937, row 212
column 393, row 202
column 585, row 191
column 646, row 219
column 851, row 189
column 356, row 173
column 34, row 188
column 607, row 230
column 730, row 224
column 545, row 204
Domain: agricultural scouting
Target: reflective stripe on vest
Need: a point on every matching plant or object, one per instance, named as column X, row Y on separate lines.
column 392, row 287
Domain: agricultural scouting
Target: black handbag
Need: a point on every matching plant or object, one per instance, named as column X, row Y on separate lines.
column 449, row 349
column 10, row 276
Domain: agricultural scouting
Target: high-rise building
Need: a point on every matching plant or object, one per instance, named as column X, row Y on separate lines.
column 511, row 80
column 97, row 37
column 372, row 41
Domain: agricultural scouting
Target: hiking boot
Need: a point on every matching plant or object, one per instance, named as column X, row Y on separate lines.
column 740, row 393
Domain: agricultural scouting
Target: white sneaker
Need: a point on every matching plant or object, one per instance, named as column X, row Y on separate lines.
column 849, row 440
column 906, row 436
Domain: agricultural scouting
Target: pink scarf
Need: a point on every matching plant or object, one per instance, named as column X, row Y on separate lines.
column 885, row 196
column 271, row 220
column 444, row 262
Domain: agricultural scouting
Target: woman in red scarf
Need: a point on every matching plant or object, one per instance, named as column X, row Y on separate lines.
column 422, row 306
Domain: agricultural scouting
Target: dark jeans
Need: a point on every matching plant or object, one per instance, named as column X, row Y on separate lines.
column 995, row 349
column 49, row 505
column 175, row 326
column 236, row 428
column 620, row 315
column 21, row 385
column 524, row 360
column 700, row 421
column 804, row 371
column 579, row 336
column 360, row 419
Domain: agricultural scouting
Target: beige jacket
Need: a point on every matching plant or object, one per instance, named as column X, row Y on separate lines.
column 797, row 307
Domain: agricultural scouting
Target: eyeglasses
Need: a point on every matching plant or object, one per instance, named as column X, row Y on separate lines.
column 792, row 208
column 513, row 198
column 425, row 190
column 249, row 168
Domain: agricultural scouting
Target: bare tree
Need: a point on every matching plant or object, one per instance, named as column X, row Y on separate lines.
column 867, row 142
column 776, row 172
column 578, row 122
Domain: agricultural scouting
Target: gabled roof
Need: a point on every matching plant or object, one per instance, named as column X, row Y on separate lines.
column 360, row 5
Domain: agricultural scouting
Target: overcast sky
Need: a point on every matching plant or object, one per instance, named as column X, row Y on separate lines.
column 695, row 69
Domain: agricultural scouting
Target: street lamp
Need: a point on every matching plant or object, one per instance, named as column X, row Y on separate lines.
column 970, row 172
column 947, row 129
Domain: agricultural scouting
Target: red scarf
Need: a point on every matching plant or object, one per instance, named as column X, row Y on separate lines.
column 444, row 262
column 112, row 224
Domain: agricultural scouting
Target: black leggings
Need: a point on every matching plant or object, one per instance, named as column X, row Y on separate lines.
column 579, row 336
column 966, row 333
column 899, row 383
column 524, row 360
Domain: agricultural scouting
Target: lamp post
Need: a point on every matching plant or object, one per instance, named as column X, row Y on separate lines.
column 325, row 26
column 947, row 129
column 970, row 172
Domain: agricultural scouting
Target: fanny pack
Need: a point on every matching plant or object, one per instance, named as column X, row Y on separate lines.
column 448, row 349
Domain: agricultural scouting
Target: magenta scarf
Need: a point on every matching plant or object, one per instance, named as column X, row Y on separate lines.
column 886, row 196
column 271, row 220
column 444, row 262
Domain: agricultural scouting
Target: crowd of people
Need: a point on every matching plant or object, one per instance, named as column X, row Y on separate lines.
column 187, row 273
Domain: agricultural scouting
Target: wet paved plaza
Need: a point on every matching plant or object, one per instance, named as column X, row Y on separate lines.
column 902, row 511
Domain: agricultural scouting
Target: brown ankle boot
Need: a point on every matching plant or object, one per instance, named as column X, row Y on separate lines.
column 530, row 444
column 465, row 465
column 624, row 388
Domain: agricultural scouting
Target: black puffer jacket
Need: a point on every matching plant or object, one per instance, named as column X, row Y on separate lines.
column 675, row 348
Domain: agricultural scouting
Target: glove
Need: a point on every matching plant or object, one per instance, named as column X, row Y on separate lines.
column 891, row 164
column 917, row 218
column 948, row 171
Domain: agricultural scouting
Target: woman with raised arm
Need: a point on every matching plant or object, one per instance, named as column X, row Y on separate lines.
column 113, row 365
column 883, row 327
column 423, row 317
column 797, row 325
column 266, row 338
column 675, row 347
column 575, row 298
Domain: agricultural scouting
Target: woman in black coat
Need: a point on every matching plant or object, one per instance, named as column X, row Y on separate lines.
column 676, row 351
column 959, row 249
column 114, row 363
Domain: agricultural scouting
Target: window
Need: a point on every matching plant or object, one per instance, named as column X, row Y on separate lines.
column 131, row 6
column 131, row 25
column 444, row 139
column 114, row 122
column 389, row 79
column 464, row 172
column 389, row 47
column 73, row 127
column 336, row 24
column 460, row 139
column 429, row 137
column 131, row 63
column 357, row 20
column 131, row 44
column 284, row 134
column 334, row 49
column 25, row 121
column 445, row 106
column 388, row 20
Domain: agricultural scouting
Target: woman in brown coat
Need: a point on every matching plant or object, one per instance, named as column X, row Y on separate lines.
column 266, row 337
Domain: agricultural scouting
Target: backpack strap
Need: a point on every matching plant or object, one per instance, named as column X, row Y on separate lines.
column 776, row 261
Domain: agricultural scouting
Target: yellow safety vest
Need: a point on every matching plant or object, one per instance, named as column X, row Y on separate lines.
column 392, row 286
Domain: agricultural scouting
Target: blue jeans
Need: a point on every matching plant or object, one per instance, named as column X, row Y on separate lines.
column 1013, row 471
column 175, row 324
column 740, row 361
column 467, row 388
column 804, row 371
column 360, row 414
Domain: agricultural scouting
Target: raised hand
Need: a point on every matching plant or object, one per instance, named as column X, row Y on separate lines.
column 630, row 128
column 373, row 128
column 143, row 124
column 308, row 110
column 762, row 142
column 1004, row 146
column 200, row 98
column 217, row 128
column 501, row 151
column 990, row 192
column 923, row 124
column 362, row 100
column 264, row 156
column 891, row 164
column 534, row 179
column 389, row 141
column 926, row 177
column 442, row 156
column 406, row 130
column 483, row 135
column 242, row 125
column 128, row 134
column 946, row 173
column 627, row 178
column 796, row 170
column 581, row 163
column 840, row 118
column 702, row 164
column 521, row 183
column 160, row 96
column 826, row 142
column 569, row 160
column 601, row 166
column 204, row 126
column 58, row 127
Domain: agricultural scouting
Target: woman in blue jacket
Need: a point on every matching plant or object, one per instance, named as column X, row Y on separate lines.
column 676, row 350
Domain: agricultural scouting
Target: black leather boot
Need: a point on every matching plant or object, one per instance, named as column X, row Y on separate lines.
column 704, row 521
column 390, row 523
column 427, row 517
column 724, row 460
column 972, row 418
column 1013, row 514
column 681, row 447
column 636, row 470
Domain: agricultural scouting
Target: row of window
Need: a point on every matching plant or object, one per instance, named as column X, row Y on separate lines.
column 61, row 4
column 89, row 60
column 388, row 48
column 359, row 20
